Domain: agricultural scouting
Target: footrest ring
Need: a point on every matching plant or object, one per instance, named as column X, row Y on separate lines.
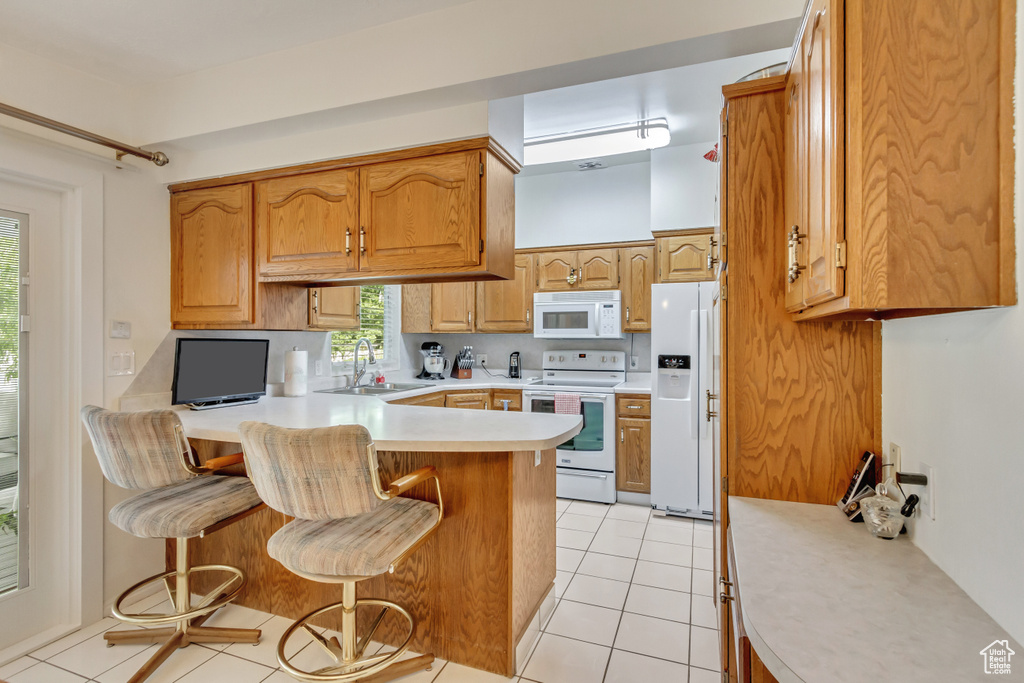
column 160, row 619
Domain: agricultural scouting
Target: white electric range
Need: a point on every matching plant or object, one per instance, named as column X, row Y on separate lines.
column 586, row 463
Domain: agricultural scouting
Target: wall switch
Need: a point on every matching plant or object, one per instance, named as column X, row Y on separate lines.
column 634, row 362
column 318, row 368
column 482, row 357
column 927, row 493
column 894, row 459
column 119, row 329
column 121, row 363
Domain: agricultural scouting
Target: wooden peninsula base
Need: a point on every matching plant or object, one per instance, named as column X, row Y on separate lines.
column 474, row 588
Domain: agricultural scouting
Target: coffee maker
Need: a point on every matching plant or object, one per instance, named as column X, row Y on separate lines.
column 434, row 362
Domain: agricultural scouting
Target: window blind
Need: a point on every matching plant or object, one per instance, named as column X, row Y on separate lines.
column 10, row 257
column 380, row 321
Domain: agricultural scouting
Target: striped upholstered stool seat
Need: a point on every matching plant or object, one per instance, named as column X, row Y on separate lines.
column 184, row 509
column 372, row 541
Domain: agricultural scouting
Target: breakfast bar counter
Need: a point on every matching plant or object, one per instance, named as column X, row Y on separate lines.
column 480, row 586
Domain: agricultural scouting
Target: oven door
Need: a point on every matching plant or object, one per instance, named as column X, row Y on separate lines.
column 594, row 447
column 565, row 320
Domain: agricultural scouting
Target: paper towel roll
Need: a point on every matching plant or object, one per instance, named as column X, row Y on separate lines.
column 295, row 363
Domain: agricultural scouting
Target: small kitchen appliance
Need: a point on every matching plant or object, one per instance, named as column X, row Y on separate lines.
column 434, row 362
column 513, row 366
column 577, row 315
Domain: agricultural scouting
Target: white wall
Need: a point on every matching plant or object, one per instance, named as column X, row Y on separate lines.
column 683, row 187
column 953, row 397
column 581, row 207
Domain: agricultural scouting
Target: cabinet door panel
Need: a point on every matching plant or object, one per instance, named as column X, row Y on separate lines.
column 211, row 256
column 307, row 223
column 554, row 269
column 477, row 400
column 451, row 306
column 599, row 269
column 334, row 308
column 796, row 191
column 633, row 455
column 506, row 305
column 514, row 398
column 638, row 276
column 823, row 74
column 684, row 258
column 421, row 214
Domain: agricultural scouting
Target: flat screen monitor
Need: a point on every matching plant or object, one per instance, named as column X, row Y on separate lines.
column 215, row 372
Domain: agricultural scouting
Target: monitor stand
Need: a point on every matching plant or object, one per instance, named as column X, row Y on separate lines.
column 225, row 403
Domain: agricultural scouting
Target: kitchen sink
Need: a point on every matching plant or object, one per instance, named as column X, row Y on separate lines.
column 374, row 390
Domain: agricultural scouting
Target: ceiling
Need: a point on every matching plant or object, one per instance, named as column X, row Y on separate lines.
column 689, row 97
column 133, row 42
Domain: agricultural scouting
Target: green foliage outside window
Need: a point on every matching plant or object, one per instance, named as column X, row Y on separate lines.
column 371, row 317
column 9, row 292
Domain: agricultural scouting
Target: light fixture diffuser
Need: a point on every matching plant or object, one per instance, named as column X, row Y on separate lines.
column 597, row 142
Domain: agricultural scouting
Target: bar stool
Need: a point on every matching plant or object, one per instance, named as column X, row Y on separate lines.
column 347, row 528
column 180, row 500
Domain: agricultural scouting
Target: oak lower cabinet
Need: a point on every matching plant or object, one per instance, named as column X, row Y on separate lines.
column 561, row 271
column 434, row 400
column 507, row 305
column 472, row 400
column 684, row 256
column 633, row 451
column 507, row 399
column 307, row 224
column 211, row 256
column 903, row 121
column 638, row 271
column 334, row 308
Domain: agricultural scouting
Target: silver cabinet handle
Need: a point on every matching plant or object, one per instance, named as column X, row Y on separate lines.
column 504, row 403
column 348, row 241
column 581, row 275
column 362, row 240
column 635, row 407
column 711, row 397
column 470, row 317
column 627, row 314
column 316, row 301
column 622, row 435
column 527, row 316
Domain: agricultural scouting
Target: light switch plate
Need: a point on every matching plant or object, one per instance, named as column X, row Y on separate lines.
column 318, row 368
column 120, row 329
column 895, row 456
column 120, row 363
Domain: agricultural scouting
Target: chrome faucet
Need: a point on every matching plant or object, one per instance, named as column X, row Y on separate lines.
column 357, row 374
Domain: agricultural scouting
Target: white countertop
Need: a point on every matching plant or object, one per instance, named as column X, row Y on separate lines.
column 824, row 600
column 636, row 383
column 397, row 427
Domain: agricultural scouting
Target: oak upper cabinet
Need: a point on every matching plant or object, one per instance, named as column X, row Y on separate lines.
column 820, row 51
column 557, row 271
column 684, row 256
column 507, row 305
column 562, row 271
column 472, row 400
column 796, row 184
column 334, row 308
column 598, row 269
column 211, row 256
column 633, row 452
column 905, row 131
column 421, row 214
column 638, row 269
column 452, row 306
column 307, row 224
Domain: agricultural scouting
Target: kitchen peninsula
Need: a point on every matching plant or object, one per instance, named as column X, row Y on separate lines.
column 481, row 585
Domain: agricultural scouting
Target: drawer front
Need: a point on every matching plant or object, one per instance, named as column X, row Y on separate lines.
column 472, row 400
column 634, row 406
column 514, row 398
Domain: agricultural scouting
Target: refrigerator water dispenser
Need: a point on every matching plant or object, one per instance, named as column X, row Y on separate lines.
column 673, row 377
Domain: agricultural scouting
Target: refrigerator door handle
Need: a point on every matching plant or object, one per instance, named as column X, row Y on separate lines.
column 694, row 401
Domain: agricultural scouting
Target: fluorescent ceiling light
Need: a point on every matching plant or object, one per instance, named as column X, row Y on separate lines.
column 597, row 142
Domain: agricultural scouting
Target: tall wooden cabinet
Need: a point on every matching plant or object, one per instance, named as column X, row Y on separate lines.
column 507, row 305
column 902, row 153
column 638, row 271
column 797, row 403
column 211, row 256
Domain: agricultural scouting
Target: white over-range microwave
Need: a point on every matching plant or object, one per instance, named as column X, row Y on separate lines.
column 578, row 315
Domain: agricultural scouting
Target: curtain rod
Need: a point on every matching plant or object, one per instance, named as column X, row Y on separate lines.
column 158, row 158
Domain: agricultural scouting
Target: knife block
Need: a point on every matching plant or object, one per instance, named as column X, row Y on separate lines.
column 462, row 373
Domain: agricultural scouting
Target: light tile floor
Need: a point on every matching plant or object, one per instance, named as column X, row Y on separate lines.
column 632, row 604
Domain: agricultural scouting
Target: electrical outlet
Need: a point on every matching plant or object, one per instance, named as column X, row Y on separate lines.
column 120, row 363
column 634, row 362
column 895, row 457
column 318, row 368
column 482, row 357
column 927, row 493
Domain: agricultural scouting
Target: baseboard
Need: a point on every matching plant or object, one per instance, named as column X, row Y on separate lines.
column 630, row 498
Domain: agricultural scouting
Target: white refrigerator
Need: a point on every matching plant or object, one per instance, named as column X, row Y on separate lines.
column 681, row 444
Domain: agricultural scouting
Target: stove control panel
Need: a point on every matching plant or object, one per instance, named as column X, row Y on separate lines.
column 585, row 360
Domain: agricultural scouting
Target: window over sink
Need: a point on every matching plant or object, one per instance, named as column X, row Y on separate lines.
column 380, row 315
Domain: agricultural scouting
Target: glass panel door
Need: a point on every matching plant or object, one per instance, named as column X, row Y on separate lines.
column 591, row 437
column 13, row 417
